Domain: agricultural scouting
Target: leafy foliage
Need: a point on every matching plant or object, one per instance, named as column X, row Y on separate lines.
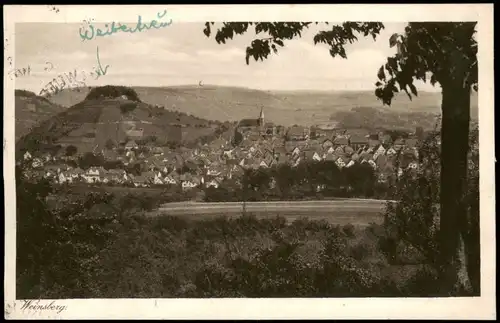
column 444, row 52
column 112, row 91
column 56, row 247
column 277, row 33
column 71, row 150
column 91, row 160
column 128, row 107
column 435, row 52
column 307, row 180
column 412, row 224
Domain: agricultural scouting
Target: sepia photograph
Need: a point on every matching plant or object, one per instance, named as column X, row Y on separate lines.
column 155, row 158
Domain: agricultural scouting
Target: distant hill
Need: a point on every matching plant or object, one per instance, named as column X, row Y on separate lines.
column 372, row 118
column 31, row 109
column 97, row 120
column 285, row 108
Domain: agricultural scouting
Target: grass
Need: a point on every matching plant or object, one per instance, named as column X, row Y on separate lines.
column 360, row 218
column 103, row 246
column 239, row 257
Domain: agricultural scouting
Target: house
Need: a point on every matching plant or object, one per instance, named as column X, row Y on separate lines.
column 27, row 156
column 381, row 161
column 327, row 144
column 296, row 151
column 296, row 133
column 213, row 171
column 325, row 129
column 140, row 181
column 398, row 144
column 339, row 150
column 270, row 129
column 411, row 143
column 188, row 183
column 348, row 150
column 330, row 157
column 373, row 143
column 157, row 180
column 76, row 174
column 380, row 150
column 131, row 145
column 269, row 158
column 258, row 153
column 340, row 162
column 170, row 180
column 61, row 178
column 282, row 159
column 372, row 164
column 37, row 162
column 358, row 142
column 413, row 165
column 48, row 157
column 350, row 163
column 228, row 153
column 366, row 157
column 316, row 157
column 295, row 161
column 213, row 183
column 385, row 138
column 340, row 141
column 385, row 171
column 92, row 175
column 263, row 164
column 391, row 151
column 158, row 151
column 272, row 183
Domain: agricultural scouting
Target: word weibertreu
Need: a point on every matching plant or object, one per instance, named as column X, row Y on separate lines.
column 93, row 32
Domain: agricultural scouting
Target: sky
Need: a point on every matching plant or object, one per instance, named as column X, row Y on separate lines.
column 180, row 54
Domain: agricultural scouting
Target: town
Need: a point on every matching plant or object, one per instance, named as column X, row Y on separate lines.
column 254, row 144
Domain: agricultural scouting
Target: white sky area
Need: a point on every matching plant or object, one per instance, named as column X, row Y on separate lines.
column 181, row 54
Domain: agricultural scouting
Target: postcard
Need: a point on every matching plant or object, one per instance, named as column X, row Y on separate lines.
column 249, row 161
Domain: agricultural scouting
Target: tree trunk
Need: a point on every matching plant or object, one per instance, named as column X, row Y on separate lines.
column 453, row 222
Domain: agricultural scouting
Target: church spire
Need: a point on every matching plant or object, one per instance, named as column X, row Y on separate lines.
column 261, row 116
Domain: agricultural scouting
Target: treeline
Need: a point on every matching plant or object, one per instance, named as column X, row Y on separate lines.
column 308, row 180
column 101, row 245
column 112, row 91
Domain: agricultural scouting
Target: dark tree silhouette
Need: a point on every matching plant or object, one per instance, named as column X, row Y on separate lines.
column 71, row 150
column 444, row 53
column 110, row 144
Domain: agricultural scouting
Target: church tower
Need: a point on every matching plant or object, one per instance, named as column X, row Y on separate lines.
column 261, row 117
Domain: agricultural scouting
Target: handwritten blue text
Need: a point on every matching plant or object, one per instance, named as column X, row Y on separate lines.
column 93, row 32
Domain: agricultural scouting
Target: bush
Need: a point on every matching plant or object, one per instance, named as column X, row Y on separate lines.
column 349, row 230
column 128, row 107
column 71, row 150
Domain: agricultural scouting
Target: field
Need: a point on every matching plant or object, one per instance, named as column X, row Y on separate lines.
column 337, row 212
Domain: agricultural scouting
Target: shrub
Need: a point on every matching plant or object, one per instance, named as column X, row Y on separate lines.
column 71, row 150
column 128, row 107
column 349, row 230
